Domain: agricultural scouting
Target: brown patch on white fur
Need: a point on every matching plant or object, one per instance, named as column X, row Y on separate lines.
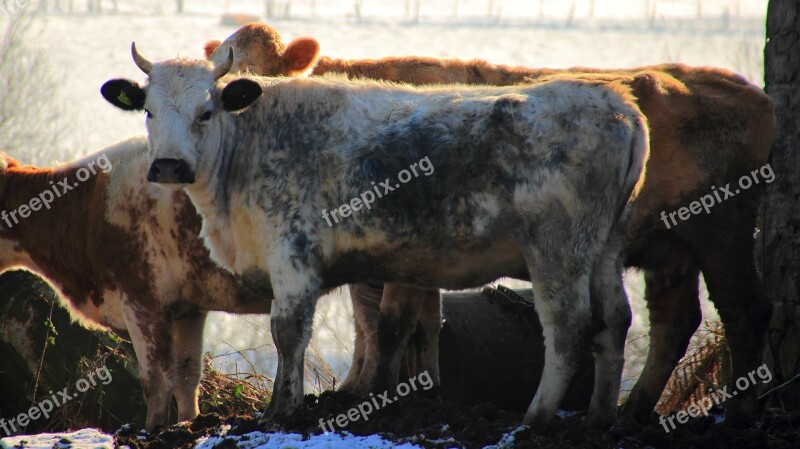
column 62, row 249
column 126, row 254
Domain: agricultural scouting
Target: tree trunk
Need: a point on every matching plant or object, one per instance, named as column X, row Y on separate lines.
column 781, row 210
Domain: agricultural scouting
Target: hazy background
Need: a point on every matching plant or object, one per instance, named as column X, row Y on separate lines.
column 68, row 55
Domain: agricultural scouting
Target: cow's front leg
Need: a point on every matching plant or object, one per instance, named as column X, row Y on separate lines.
column 612, row 315
column 151, row 334
column 672, row 298
column 188, row 364
column 562, row 302
column 296, row 288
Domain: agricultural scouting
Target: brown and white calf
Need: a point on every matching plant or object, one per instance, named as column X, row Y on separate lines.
column 552, row 168
column 708, row 127
column 125, row 254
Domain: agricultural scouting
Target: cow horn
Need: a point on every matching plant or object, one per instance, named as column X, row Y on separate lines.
column 143, row 64
column 223, row 69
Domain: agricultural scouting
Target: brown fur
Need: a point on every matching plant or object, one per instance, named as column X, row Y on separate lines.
column 260, row 49
column 101, row 268
column 709, row 126
column 67, row 250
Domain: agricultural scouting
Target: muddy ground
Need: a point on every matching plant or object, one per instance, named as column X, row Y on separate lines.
column 430, row 423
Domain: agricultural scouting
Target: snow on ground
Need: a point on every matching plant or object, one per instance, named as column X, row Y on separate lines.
column 94, row 439
column 261, row 440
column 81, row 439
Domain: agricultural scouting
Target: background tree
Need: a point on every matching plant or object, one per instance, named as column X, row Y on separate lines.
column 27, row 128
column 780, row 253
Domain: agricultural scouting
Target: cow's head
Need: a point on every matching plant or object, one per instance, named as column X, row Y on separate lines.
column 184, row 107
column 259, row 49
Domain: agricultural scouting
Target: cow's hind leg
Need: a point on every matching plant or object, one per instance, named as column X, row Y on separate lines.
column 611, row 318
column 366, row 300
column 735, row 289
column 561, row 289
column 400, row 308
column 358, row 358
column 188, row 343
column 672, row 297
column 427, row 336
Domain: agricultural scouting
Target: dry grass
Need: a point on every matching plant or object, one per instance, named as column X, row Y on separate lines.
column 237, row 393
column 259, row 355
column 701, row 370
column 77, row 413
column 246, row 391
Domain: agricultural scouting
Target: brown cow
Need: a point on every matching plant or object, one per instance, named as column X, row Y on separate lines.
column 124, row 254
column 709, row 127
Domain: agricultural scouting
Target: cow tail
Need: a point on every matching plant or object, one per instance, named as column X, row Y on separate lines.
column 638, row 155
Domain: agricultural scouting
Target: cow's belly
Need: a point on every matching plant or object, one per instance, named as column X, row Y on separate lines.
column 448, row 269
column 107, row 314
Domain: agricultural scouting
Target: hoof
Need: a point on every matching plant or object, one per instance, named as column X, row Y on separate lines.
column 599, row 421
column 274, row 417
column 638, row 410
column 738, row 418
column 537, row 422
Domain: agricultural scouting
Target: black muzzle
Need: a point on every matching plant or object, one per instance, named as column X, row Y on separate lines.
column 170, row 171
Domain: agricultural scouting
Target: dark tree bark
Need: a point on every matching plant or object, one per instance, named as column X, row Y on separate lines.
column 780, row 256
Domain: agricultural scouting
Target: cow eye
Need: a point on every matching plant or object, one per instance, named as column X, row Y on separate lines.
column 148, row 114
column 206, row 116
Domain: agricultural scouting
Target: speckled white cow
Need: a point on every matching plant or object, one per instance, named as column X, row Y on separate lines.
column 552, row 168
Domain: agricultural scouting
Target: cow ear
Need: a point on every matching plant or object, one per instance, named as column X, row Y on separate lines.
column 239, row 94
column 301, row 55
column 124, row 94
column 210, row 47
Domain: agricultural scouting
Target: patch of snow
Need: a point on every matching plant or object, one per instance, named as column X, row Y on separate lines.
column 509, row 439
column 261, row 440
column 449, row 441
column 81, row 439
column 566, row 413
column 94, row 439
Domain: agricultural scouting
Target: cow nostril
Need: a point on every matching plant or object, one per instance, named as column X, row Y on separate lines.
column 152, row 174
column 180, row 169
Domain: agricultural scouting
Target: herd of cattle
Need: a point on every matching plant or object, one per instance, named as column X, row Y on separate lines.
column 553, row 176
